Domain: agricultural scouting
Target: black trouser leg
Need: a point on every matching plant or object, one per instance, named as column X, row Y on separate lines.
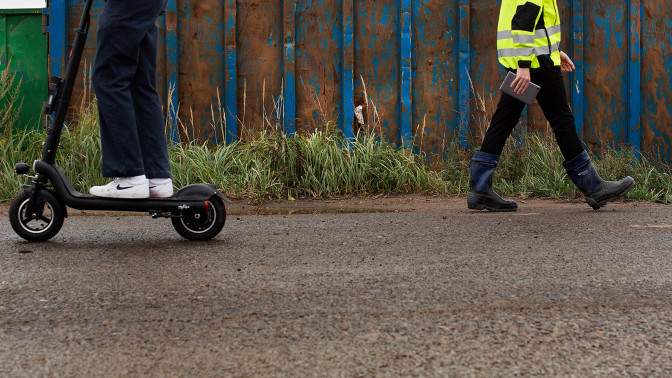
column 123, row 29
column 553, row 101
column 148, row 113
column 506, row 117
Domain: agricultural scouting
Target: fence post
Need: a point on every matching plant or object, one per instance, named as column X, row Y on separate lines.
column 577, row 45
column 58, row 37
column 463, row 71
column 405, row 78
column 347, row 70
column 289, row 66
column 634, row 72
column 172, row 65
column 231, row 93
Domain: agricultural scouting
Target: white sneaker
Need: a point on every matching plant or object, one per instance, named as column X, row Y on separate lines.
column 160, row 188
column 123, row 187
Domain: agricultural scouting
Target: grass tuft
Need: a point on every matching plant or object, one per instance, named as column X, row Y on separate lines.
column 10, row 100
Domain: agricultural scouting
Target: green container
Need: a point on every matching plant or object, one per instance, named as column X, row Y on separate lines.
column 24, row 43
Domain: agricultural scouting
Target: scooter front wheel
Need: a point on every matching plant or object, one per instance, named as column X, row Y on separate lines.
column 44, row 222
column 199, row 226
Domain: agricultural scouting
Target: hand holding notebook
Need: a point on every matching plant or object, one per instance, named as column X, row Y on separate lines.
column 527, row 97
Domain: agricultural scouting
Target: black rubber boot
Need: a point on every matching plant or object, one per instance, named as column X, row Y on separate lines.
column 481, row 196
column 596, row 190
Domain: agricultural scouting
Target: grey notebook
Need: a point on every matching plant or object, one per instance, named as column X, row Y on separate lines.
column 527, row 97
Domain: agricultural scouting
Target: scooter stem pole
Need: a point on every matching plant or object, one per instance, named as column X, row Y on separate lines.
column 56, row 126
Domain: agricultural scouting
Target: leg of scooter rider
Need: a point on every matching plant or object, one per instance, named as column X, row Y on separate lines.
column 149, row 119
column 121, row 30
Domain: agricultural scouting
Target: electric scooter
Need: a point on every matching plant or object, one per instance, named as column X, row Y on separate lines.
column 197, row 211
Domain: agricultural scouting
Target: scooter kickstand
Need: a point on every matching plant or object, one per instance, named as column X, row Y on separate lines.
column 159, row 214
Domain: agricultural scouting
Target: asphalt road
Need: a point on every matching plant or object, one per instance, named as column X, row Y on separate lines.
column 423, row 287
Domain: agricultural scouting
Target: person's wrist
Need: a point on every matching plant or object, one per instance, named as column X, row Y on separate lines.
column 524, row 64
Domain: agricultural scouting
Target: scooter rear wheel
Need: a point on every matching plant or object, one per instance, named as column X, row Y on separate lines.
column 49, row 217
column 198, row 226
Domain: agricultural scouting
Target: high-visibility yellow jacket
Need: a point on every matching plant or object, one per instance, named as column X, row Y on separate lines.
column 527, row 30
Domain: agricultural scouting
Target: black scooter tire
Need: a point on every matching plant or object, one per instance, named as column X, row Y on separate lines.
column 43, row 229
column 191, row 226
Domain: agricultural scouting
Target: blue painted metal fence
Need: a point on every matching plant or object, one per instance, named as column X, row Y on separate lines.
column 420, row 71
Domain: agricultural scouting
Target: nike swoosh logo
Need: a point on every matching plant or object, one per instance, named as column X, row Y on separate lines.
column 119, row 187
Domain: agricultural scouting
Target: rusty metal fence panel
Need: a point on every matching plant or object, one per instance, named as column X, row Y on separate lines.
column 420, row 71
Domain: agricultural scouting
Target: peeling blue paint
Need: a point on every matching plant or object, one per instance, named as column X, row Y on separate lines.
column 172, row 67
column 58, row 15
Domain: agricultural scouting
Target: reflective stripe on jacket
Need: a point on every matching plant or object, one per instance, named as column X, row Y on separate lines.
column 527, row 29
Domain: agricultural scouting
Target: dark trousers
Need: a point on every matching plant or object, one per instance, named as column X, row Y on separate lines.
column 133, row 133
column 553, row 101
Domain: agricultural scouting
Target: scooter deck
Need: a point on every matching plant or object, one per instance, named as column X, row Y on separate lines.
column 190, row 198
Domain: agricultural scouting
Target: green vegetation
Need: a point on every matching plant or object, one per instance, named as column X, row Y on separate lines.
column 323, row 163
column 10, row 100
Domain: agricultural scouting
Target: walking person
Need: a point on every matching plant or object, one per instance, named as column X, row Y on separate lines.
column 528, row 40
column 131, row 122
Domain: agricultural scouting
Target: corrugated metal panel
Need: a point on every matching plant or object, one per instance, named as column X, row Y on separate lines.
column 24, row 44
column 419, row 68
column 656, row 68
